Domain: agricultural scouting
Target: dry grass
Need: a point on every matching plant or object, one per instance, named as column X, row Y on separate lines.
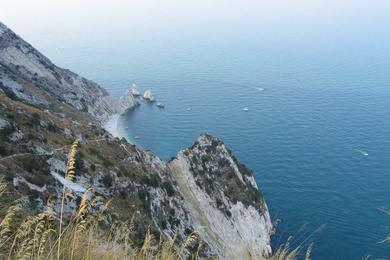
column 285, row 252
column 46, row 236
column 38, row 238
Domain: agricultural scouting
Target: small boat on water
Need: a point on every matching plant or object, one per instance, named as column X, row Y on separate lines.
column 160, row 105
column 363, row 152
column 246, row 109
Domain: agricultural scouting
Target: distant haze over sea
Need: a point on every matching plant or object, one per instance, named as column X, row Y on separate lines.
column 314, row 76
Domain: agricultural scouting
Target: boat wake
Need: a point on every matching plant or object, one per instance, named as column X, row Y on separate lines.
column 362, row 152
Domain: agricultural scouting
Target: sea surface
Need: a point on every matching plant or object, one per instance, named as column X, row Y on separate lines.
column 317, row 88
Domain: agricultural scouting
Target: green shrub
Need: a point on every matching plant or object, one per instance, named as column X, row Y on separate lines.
column 79, row 163
column 94, row 151
column 35, row 119
column 52, row 127
column 3, row 150
column 107, row 180
column 32, row 163
column 38, row 178
column 106, row 163
column 144, row 197
column 10, row 116
column 125, row 171
column 5, row 132
column 8, row 92
column 168, row 188
column 151, row 180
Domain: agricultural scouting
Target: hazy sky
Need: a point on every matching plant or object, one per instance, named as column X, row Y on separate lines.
column 27, row 16
column 309, row 27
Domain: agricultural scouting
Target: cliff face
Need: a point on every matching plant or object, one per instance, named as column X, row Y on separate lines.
column 205, row 189
column 17, row 57
column 222, row 198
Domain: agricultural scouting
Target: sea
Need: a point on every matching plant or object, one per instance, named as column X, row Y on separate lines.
column 299, row 92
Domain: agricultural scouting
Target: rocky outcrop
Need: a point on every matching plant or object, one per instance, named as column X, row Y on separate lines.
column 126, row 102
column 4, row 124
column 223, row 201
column 17, row 57
column 149, row 96
column 135, row 91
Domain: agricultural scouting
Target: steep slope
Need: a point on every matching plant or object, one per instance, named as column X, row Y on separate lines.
column 203, row 189
column 221, row 194
column 19, row 58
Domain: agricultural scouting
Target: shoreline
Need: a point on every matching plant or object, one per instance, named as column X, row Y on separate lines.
column 112, row 125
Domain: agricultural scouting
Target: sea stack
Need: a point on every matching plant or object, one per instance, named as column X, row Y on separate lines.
column 135, row 91
column 149, row 96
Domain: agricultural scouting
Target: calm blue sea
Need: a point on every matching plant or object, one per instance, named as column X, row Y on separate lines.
column 317, row 130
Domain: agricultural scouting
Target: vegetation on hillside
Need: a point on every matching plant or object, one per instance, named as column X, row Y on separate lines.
column 47, row 235
column 83, row 236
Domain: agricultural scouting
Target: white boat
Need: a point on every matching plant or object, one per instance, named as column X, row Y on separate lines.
column 160, row 105
column 136, row 137
column 246, row 109
column 363, row 152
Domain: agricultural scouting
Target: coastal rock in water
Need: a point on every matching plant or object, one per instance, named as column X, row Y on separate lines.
column 126, row 101
column 135, row 91
column 223, row 201
column 149, row 96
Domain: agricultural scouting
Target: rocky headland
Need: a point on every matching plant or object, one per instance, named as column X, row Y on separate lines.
column 44, row 108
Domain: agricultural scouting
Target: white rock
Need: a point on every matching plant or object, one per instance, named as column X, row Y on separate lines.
column 135, row 91
column 18, row 180
column 56, row 165
column 68, row 132
column 16, row 136
column 126, row 102
column 4, row 123
column 149, row 96
column 20, row 92
column 70, row 184
column 247, row 232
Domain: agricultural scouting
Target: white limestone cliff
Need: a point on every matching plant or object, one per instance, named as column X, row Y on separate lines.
column 232, row 228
